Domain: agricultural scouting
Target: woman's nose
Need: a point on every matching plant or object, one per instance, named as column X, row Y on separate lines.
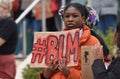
column 70, row 18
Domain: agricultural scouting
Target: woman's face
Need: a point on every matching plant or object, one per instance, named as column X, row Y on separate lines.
column 3, row 12
column 72, row 18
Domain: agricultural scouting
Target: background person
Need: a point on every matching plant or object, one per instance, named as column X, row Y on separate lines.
column 8, row 41
column 113, row 71
column 107, row 11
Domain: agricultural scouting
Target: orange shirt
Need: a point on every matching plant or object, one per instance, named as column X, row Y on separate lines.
column 75, row 72
column 37, row 10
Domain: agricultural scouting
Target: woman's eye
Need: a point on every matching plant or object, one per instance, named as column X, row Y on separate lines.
column 75, row 15
column 66, row 16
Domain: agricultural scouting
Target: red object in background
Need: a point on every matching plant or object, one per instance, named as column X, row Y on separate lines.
column 15, row 5
column 54, row 6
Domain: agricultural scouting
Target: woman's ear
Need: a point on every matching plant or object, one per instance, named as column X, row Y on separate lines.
column 83, row 19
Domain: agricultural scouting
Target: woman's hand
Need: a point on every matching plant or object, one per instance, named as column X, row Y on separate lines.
column 98, row 52
column 52, row 68
column 63, row 68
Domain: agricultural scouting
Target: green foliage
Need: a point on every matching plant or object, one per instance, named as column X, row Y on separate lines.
column 108, row 39
column 31, row 73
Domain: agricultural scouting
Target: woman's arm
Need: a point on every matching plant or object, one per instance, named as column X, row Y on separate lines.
column 98, row 67
column 2, row 41
column 100, row 72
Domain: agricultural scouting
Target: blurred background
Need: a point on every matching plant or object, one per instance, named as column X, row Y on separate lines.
column 42, row 16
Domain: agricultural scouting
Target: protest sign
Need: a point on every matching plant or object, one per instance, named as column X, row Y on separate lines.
column 55, row 45
column 88, row 55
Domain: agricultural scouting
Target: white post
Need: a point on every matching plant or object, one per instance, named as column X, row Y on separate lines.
column 63, row 2
column 29, row 8
column 24, row 39
column 43, row 15
column 25, row 12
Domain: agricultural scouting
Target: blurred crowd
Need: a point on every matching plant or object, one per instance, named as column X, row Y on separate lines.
column 107, row 11
column 33, row 20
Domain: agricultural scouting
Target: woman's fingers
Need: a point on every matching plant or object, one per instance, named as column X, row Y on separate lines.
column 62, row 64
column 98, row 52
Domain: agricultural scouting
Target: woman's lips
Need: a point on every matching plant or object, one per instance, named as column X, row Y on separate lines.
column 70, row 25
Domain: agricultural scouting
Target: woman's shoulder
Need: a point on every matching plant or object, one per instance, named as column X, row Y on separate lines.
column 90, row 39
column 93, row 40
column 10, row 21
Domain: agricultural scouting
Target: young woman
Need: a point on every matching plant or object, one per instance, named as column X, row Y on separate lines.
column 74, row 16
column 113, row 71
column 8, row 41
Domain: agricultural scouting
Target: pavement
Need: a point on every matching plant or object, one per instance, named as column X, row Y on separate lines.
column 19, row 61
column 21, row 64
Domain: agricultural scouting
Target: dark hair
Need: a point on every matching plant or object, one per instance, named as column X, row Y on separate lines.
column 81, row 8
column 118, row 27
column 118, row 32
column 118, row 40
